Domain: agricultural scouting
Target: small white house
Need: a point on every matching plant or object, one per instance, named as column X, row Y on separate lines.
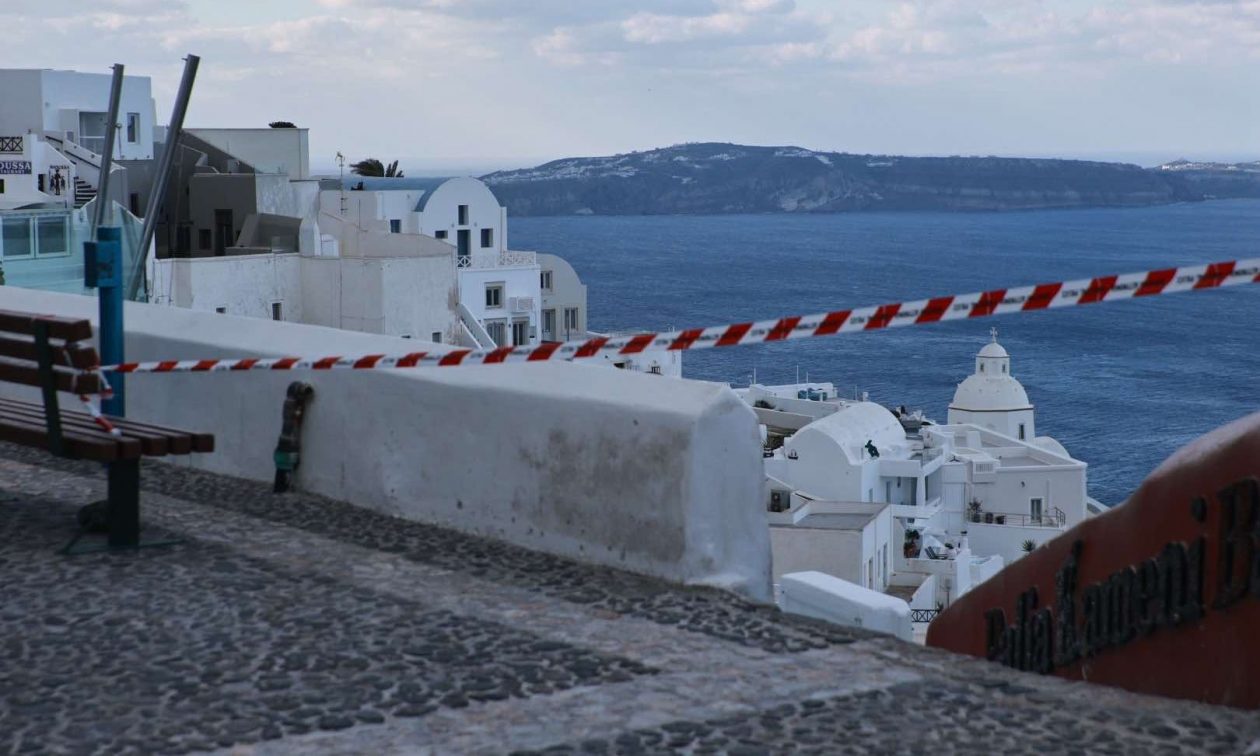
column 962, row 498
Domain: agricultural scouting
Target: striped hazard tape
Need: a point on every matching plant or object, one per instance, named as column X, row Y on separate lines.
column 935, row 310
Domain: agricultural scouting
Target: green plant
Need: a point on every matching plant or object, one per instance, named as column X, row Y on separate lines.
column 1029, row 545
column 374, row 167
column 282, row 125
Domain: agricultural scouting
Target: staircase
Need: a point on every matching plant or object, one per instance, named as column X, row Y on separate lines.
column 83, row 192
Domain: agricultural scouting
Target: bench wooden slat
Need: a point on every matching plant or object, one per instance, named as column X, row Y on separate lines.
column 69, row 329
column 175, row 441
column 77, row 445
column 68, row 380
column 151, row 443
column 77, row 355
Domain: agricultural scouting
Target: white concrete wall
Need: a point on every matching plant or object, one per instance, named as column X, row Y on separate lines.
column 1006, row 541
column 517, row 281
column 1012, row 490
column 246, row 285
column 285, row 151
column 567, row 291
column 21, row 93
column 89, row 92
column 616, row 468
column 826, row 597
column 441, row 213
column 833, row 552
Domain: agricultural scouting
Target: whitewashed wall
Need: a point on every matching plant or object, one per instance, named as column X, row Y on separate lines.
column 616, row 468
column 74, row 91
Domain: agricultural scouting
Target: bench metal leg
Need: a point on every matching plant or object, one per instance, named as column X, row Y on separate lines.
column 123, row 512
column 124, row 504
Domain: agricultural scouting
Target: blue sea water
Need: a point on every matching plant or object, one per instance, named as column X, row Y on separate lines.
column 1121, row 385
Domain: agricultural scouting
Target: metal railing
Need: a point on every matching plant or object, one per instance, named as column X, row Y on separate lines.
column 482, row 260
column 10, row 144
column 923, row 615
column 1054, row 518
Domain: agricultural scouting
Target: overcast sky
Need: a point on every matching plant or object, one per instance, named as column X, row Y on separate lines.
column 487, row 83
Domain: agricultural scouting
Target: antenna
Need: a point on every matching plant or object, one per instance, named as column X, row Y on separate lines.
column 341, row 166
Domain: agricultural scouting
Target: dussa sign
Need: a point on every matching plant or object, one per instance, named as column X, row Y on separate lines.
column 1159, row 595
column 15, row 167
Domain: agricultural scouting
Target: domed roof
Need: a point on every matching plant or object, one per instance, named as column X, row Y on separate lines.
column 979, row 393
column 993, row 349
column 991, row 388
column 850, row 428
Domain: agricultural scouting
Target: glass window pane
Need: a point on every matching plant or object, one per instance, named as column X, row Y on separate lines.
column 16, row 237
column 52, row 236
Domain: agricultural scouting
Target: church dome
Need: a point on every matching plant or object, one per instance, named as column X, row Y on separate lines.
column 991, row 388
column 993, row 350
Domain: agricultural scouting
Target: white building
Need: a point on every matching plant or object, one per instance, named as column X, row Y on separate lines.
column 962, row 499
column 992, row 398
column 52, row 131
column 71, row 107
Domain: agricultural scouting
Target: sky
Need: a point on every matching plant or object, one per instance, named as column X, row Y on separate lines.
column 483, row 84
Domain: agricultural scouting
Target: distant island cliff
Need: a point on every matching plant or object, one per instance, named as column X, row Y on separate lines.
column 714, row 178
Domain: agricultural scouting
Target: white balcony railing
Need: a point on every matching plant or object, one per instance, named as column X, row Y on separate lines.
column 509, row 259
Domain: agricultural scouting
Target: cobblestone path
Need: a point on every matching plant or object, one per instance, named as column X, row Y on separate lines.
column 295, row 624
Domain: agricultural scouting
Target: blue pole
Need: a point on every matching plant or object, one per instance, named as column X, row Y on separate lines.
column 103, row 265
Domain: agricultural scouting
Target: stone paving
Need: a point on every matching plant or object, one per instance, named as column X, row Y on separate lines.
column 295, row 624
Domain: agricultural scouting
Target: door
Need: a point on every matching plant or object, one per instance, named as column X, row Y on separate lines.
column 1034, row 506
column 520, row 332
column 223, row 236
column 464, row 242
column 549, row 325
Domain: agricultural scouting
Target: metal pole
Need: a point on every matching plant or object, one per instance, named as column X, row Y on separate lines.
column 103, row 204
column 103, row 269
column 162, row 174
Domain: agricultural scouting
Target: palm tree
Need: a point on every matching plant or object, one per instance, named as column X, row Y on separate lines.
column 374, row 167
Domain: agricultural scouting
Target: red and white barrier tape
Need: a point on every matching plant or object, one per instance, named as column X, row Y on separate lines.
column 938, row 309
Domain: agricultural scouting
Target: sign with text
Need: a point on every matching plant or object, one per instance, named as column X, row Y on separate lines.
column 13, row 167
column 1159, row 595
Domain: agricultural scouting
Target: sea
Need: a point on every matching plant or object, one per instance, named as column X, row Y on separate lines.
column 1121, row 385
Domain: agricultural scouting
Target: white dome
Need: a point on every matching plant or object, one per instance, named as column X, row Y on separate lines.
column 989, row 393
column 991, row 388
column 851, row 428
column 993, row 349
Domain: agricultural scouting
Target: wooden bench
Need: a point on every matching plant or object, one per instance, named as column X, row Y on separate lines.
column 52, row 354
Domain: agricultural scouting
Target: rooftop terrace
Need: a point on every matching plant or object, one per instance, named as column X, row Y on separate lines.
column 293, row 623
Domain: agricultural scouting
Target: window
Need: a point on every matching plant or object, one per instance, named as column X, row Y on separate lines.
column 462, row 219
column 439, row 234
column 221, row 310
column 1021, row 431
column 1034, row 509
column 133, row 128
column 546, row 280
column 395, row 226
column 570, row 318
column 549, row 325
column 888, row 490
column 494, row 295
column 204, row 238
column 52, row 236
column 133, row 201
column 870, row 573
column 1, row 186
column 520, row 332
column 437, row 337
column 277, row 311
column 498, row 331
column 15, row 237
column 487, row 237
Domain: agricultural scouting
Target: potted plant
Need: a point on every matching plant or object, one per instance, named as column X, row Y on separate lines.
column 1000, row 519
column 1028, row 546
column 910, row 547
column 973, row 510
